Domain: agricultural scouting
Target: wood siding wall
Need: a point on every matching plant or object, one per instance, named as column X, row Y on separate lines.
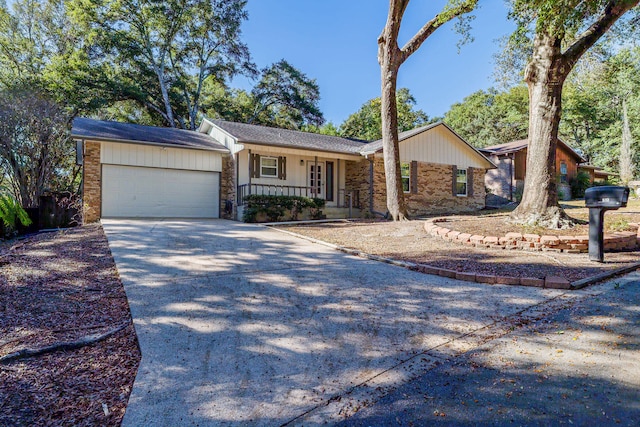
column 223, row 138
column 563, row 155
column 160, row 157
column 520, row 168
column 439, row 145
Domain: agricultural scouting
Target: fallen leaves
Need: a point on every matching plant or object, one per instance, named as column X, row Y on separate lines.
column 382, row 239
column 61, row 287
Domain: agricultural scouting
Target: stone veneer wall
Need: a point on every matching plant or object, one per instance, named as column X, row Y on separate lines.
column 623, row 240
column 91, row 183
column 357, row 179
column 434, row 195
column 228, row 186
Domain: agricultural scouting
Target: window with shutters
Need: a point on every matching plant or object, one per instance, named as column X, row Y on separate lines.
column 405, row 171
column 268, row 167
column 461, row 182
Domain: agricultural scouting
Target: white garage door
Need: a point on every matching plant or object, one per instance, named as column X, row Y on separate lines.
column 131, row 191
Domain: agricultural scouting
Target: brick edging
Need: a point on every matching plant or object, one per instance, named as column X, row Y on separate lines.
column 549, row 282
column 622, row 240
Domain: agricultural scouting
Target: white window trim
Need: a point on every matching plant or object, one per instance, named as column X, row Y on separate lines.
column 275, row 168
column 408, row 177
column 466, row 183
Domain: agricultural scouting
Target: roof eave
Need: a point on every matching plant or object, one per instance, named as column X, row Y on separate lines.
column 297, row 147
column 157, row 144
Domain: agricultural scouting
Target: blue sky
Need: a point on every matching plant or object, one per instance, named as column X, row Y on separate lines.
column 334, row 41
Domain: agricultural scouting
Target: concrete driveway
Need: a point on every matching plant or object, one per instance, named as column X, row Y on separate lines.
column 240, row 324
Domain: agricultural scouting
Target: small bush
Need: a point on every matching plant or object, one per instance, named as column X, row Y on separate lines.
column 579, row 184
column 10, row 213
column 275, row 208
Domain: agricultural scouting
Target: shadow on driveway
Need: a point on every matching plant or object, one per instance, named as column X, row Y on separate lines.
column 241, row 324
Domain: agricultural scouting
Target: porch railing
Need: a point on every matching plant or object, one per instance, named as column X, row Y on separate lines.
column 346, row 198
column 349, row 198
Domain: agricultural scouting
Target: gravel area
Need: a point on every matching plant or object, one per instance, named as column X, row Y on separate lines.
column 59, row 288
column 409, row 242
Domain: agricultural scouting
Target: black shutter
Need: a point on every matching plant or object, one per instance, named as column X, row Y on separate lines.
column 454, row 186
column 469, row 182
column 414, row 177
column 254, row 165
column 282, row 167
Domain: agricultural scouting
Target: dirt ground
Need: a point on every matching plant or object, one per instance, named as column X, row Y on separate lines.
column 58, row 288
column 409, row 242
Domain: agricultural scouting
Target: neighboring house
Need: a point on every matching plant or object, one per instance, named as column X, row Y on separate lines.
column 142, row 171
column 511, row 159
column 595, row 173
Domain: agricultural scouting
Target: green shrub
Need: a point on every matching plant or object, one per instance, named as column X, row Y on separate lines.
column 276, row 207
column 579, row 184
column 10, row 213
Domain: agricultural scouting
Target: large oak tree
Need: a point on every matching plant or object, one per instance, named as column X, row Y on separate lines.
column 390, row 57
column 563, row 30
column 161, row 52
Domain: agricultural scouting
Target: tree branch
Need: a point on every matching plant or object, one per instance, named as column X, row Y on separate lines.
column 68, row 345
column 613, row 10
column 440, row 19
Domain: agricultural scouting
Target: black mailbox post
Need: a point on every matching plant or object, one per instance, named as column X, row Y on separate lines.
column 599, row 200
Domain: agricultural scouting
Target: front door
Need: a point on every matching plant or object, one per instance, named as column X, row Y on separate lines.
column 315, row 179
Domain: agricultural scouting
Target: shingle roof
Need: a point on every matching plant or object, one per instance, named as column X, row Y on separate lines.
column 100, row 130
column 374, row 146
column 513, row 146
column 264, row 135
column 507, row 148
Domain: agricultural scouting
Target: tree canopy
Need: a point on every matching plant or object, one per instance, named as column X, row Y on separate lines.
column 165, row 51
column 366, row 123
column 491, row 117
column 558, row 33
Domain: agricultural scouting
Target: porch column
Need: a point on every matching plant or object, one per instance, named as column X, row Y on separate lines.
column 249, row 163
column 316, row 175
column 337, row 196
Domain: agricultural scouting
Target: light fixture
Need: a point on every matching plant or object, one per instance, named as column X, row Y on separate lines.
column 301, row 162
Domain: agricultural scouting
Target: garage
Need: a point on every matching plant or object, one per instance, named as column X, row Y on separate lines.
column 129, row 191
column 137, row 171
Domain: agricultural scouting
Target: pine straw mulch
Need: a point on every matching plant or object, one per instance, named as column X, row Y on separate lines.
column 408, row 241
column 56, row 288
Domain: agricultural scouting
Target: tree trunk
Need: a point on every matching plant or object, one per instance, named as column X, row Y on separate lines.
column 390, row 147
column 545, row 76
column 159, row 70
column 626, row 154
column 390, row 57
